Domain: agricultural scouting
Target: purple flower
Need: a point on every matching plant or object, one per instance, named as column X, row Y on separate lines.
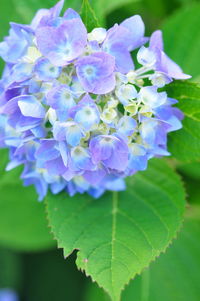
column 96, row 72
column 172, row 116
column 30, row 107
column 17, row 43
column 86, row 113
column 136, row 29
column 21, row 72
column 163, row 62
column 25, row 112
column 45, row 16
column 74, row 112
column 95, row 177
column 111, row 151
column 47, row 150
column 69, row 131
column 2, row 130
column 126, row 126
column 64, row 43
column 137, row 159
column 62, row 99
column 81, row 159
column 117, row 44
column 44, row 70
column 123, row 38
column 50, row 159
column 55, row 167
column 151, row 98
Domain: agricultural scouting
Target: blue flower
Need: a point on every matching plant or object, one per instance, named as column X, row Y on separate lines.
column 96, row 72
column 74, row 111
column 44, row 70
column 126, row 126
column 21, row 72
column 62, row 99
column 69, row 131
column 151, row 98
column 109, row 150
column 63, row 43
column 81, row 159
column 86, row 113
column 16, row 44
column 123, row 38
column 163, row 62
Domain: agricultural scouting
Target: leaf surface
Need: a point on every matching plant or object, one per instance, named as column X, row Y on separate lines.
column 185, row 143
column 118, row 235
column 185, row 49
column 183, row 29
column 11, row 269
column 188, row 95
column 174, row 276
column 88, row 16
column 23, row 224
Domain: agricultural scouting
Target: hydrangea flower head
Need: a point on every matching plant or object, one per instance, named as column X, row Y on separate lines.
column 74, row 110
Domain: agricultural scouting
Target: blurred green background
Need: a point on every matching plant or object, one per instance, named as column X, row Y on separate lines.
column 29, row 260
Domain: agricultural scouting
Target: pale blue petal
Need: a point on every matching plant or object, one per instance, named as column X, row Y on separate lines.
column 45, row 70
column 31, row 107
column 126, row 125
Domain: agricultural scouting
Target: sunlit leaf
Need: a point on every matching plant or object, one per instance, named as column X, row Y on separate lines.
column 185, row 144
column 182, row 38
column 88, row 16
column 188, row 95
column 174, row 276
column 120, row 234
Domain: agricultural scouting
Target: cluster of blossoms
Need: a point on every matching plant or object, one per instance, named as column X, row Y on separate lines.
column 75, row 111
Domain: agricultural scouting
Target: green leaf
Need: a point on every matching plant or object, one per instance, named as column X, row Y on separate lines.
column 191, row 177
column 159, row 8
column 88, row 16
column 191, row 170
column 48, row 276
column 185, row 143
column 119, row 234
column 182, row 38
column 177, row 271
column 188, row 95
column 186, row 2
column 185, row 49
column 192, row 188
column 174, row 276
column 23, row 11
column 23, row 224
column 104, row 7
column 11, row 269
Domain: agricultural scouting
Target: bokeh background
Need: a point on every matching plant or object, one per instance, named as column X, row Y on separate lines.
column 30, row 263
